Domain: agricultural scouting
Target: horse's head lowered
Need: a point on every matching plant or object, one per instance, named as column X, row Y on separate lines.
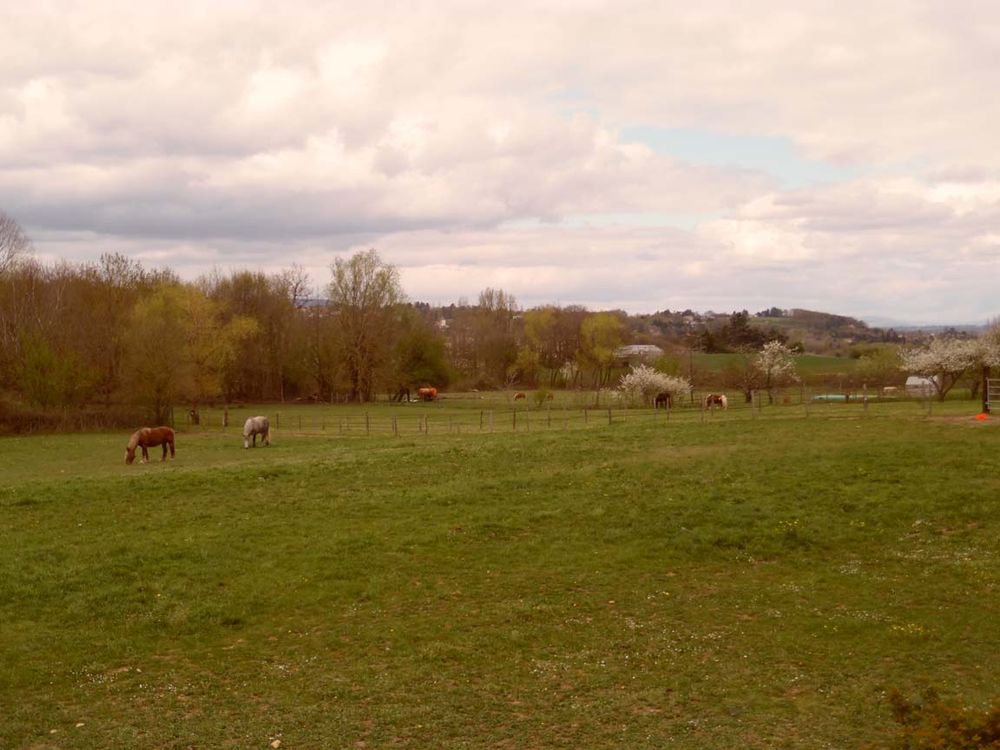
column 255, row 426
column 133, row 443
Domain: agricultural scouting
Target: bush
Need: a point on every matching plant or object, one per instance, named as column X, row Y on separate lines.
column 931, row 723
column 17, row 418
column 642, row 383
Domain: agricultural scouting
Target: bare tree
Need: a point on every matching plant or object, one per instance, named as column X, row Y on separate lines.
column 14, row 243
column 364, row 293
column 495, row 335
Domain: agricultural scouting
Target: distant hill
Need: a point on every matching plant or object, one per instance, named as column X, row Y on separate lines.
column 825, row 332
column 809, row 330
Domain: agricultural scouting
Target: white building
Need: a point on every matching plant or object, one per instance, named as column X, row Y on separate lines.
column 638, row 353
column 920, row 387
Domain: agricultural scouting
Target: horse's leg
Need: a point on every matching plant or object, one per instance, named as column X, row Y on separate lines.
column 172, row 451
column 164, row 456
column 145, row 454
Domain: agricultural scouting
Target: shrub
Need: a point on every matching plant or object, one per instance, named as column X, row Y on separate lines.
column 642, row 383
column 931, row 723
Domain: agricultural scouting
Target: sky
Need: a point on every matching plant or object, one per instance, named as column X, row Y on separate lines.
column 839, row 156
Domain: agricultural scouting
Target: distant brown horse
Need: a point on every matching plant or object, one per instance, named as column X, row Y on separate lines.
column 148, row 437
column 716, row 399
column 663, row 400
column 518, row 396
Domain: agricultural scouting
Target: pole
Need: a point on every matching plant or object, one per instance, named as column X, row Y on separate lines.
column 987, row 404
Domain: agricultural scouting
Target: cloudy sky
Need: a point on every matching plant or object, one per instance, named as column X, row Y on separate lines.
column 841, row 156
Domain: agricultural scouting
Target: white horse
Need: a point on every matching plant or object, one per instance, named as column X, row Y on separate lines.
column 253, row 427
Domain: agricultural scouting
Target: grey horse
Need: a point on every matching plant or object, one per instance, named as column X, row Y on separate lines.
column 253, row 427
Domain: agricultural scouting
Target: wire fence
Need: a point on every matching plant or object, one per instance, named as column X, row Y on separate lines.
column 441, row 418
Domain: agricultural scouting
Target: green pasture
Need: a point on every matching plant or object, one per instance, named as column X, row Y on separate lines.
column 806, row 365
column 755, row 578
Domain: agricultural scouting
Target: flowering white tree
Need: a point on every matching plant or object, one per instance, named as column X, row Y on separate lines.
column 989, row 346
column 642, row 384
column 776, row 364
column 943, row 361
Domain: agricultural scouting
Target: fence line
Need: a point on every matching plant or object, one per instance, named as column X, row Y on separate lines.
column 381, row 423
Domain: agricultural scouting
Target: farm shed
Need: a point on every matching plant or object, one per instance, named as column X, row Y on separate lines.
column 638, row 353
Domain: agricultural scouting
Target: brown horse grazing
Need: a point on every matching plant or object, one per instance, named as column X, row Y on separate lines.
column 663, row 400
column 716, row 399
column 519, row 395
column 147, row 437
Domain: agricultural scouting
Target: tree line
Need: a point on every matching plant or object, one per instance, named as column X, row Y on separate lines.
column 116, row 338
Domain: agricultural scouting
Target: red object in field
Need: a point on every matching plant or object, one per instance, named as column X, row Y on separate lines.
column 982, row 417
column 427, row 394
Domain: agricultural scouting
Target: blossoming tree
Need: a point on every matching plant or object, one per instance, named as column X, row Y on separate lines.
column 642, row 384
column 776, row 364
column 943, row 361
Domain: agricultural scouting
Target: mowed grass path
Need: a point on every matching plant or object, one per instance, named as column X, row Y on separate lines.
column 727, row 584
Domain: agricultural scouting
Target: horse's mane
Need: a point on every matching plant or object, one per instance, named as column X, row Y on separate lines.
column 133, row 441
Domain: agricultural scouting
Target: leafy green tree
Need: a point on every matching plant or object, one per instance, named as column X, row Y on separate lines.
column 551, row 339
column 419, row 356
column 177, row 348
column 878, row 367
column 47, row 378
column 156, row 369
column 601, row 334
column 273, row 359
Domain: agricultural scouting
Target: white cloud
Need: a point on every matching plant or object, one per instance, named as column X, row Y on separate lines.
column 232, row 133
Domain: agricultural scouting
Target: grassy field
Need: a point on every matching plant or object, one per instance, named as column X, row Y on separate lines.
column 809, row 366
column 730, row 581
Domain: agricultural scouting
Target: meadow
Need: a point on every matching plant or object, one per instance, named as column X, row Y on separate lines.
column 759, row 578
